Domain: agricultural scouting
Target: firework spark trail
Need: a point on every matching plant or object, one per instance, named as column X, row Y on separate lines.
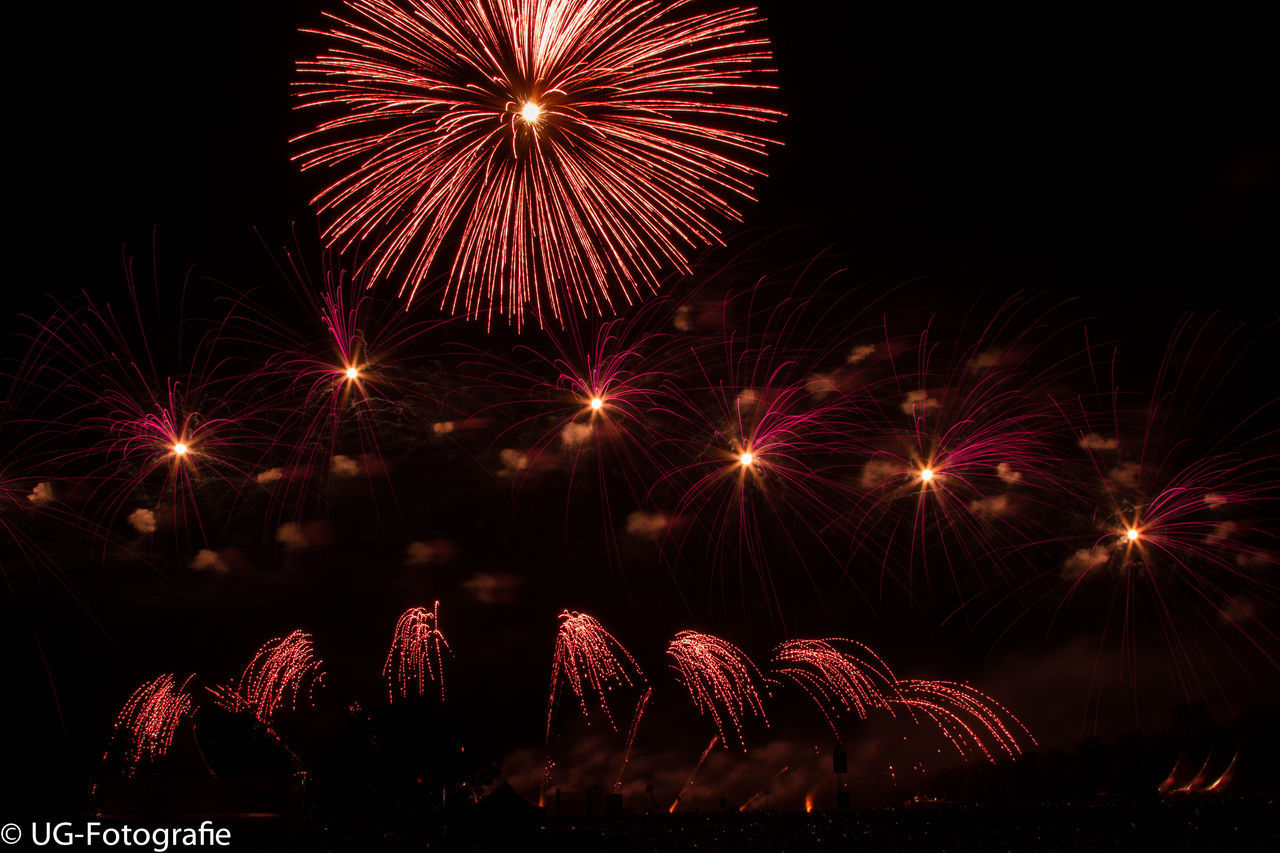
column 966, row 716
column 568, row 149
column 1227, row 775
column 721, row 680
column 589, row 660
column 281, row 673
column 150, row 718
column 835, row 680
column 415, row 657
column 694, row 775
column 631, row 737
column 766, row 791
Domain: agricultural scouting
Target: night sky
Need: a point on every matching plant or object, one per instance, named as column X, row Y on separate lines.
column 1121, row 167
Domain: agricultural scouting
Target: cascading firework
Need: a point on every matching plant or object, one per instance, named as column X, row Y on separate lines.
column 282, row 672
column 416, row 656
column 966, row 716
column 589, row 660
column 721, row 680
column 834, row 679
column 148, row 721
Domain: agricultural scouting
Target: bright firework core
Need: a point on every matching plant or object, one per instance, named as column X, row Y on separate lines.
column 747, row 458
column 926, row 475
column 597, row 403
column 353, row 373
column 530, row 112
column 1132, row 534
column 180, row 449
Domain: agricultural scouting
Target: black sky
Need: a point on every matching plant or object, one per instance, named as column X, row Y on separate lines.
column 1126, row 158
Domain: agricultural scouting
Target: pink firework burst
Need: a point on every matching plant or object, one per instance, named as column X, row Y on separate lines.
column 338, row 383
column 146, row 725
column 583, row 402
column 1174, row 533
column 589, row 660
column 757, row 438
column 838, row 675
column 416, row 657
column 551, row 154
column 282, row 673
column 159, row 421
column 721, row 680
column 964, row 457
column 967, row 717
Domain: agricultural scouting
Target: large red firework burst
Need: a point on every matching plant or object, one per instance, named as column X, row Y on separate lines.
column 554, row 153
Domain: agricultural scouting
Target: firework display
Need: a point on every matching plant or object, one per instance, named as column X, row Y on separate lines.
column 906, row 485
column 591, row 663
column 835, row 679
column 967, row 717
column 574, row 149
column 416, row 657
column 283, row 673
column 148, row 721
column 721, row 680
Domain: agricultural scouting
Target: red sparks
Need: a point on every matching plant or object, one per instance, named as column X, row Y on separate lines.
column 148, row 721
column 694, row 775
column 591, row 660
column 569, row 151
column 281, row 672
column 835, row 680
column 415, row 658
column 631, row 737
column 720, row 679
column 966, row 716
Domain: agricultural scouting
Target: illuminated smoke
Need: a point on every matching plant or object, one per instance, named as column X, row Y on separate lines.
column 493, row 587
column 41, row 494
column 208, row 560
column 143, row 520
column 647, row 524
column 1095, row 441
column 269, row 476
column 574, row 435
column 513, row 462
column 344, row 466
